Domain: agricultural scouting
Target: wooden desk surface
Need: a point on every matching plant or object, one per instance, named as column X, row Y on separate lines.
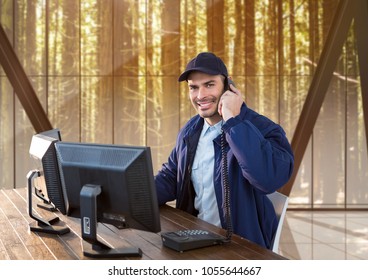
column 17, row 242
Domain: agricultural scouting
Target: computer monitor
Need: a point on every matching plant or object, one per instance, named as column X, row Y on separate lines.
column 110, row 184
column 44, row 180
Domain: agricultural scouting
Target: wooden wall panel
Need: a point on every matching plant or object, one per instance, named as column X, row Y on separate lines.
column 7, row 97
column 96, row 20
column 7, row 159
column 130, row 110
column 96, row 109
column 129, row 40
column 162, row 119
column 64, row 106
column 63, row 38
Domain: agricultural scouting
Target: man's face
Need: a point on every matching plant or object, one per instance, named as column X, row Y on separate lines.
column 205, row 92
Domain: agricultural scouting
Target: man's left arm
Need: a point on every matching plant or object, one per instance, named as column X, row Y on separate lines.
column 264, row 155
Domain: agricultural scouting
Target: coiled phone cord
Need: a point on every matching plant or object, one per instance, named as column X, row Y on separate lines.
column 225, row 180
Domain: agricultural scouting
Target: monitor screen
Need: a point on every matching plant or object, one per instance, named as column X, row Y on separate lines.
column 111, row 184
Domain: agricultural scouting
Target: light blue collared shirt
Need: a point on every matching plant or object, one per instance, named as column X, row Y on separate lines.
column 202, row 175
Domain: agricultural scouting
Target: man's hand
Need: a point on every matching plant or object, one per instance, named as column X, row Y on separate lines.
column 230, row 103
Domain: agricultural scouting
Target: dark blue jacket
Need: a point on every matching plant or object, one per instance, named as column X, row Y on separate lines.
column 260, row 161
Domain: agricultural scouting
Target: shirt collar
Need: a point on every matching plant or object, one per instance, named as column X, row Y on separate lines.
column 217, row 126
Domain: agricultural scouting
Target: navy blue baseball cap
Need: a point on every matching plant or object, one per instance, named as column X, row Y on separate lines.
column 205, row 62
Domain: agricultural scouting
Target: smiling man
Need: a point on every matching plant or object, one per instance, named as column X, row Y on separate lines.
column 259, row 156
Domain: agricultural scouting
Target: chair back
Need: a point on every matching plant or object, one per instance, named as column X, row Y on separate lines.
column 280, row 203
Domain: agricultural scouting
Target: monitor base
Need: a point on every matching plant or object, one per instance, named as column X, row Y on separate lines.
column 40, row 224
column 102, row 251
column 48, row 227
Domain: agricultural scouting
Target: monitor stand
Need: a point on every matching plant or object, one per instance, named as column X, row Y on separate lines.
column 41, row 225
column 92, row 247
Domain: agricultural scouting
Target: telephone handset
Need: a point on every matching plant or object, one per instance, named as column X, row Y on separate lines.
column 228, row 82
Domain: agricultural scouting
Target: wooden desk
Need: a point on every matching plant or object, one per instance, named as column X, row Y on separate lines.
column 18, row 242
